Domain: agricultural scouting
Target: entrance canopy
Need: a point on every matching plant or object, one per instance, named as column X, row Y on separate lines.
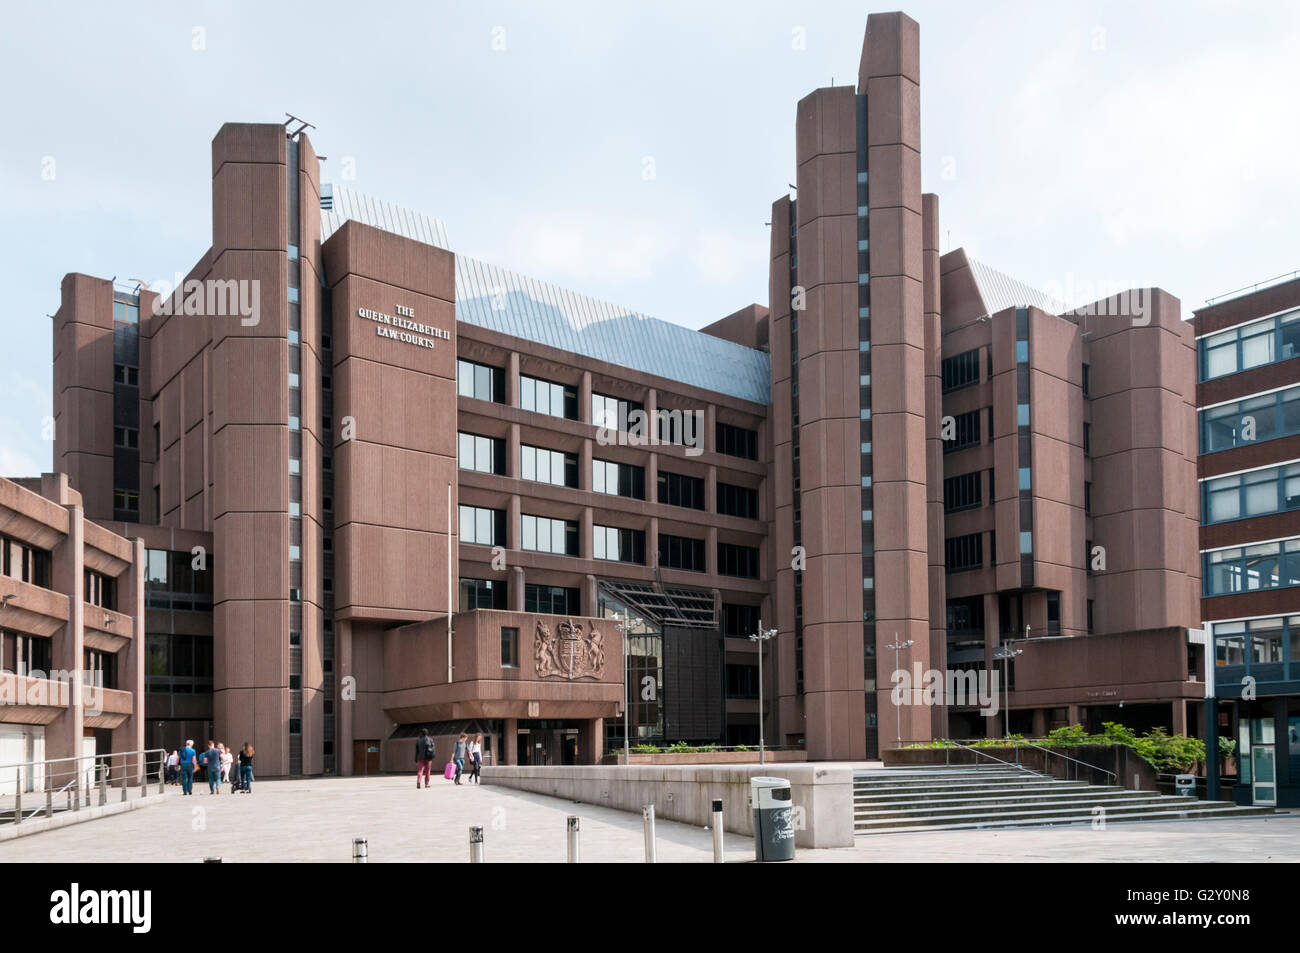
column 665, row 605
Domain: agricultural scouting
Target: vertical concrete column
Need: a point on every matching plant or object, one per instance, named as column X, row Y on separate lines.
column 993, row 639
column 890, row 78
column 346, row 707
column 708, row 439
column 63, row 735
column 585, row 523
column 711, row 490
column 652, row 477
column 514, row 531
column 129, row 736
column 1040, row 722
column 512, row 379
column 1179, row 717
column 510, row 742
column 596, row 749
column 937, row 576
column 513, row 468
column 651, row 415
column 590, row 594
column 517, row 585
column 584, row 397
column 584, row 466
column 711, row 550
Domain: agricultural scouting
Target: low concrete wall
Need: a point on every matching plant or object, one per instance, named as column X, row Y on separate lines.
column 35, row 825
column 710, row 757
column 822, row 796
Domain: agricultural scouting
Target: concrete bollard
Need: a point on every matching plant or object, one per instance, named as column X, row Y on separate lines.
column 18, row 797
column 360, row 850
column 49, row 799
column 718, row 852
column 476, row 845
column 573, row 839
column 648, row 821
column 103, row 789
column 212, row 860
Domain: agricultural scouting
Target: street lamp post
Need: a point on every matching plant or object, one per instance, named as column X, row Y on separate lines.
column 624, row 625
column 1005, row 652
column 761, row 636
column 898, row 710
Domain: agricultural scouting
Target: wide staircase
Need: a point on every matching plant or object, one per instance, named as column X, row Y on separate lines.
column 981, row 797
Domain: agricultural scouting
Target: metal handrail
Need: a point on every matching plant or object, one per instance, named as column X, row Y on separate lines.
column 99, row 765
column 1029, row 744
column 949, row 744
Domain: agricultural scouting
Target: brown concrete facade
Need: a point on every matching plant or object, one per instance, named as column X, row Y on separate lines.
column 318, row 456
column 71, row 628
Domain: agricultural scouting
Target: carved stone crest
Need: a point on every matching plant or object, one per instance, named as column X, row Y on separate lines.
column 571, row 651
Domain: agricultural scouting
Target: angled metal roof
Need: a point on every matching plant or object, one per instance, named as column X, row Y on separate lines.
column 1001, row 291
column 492, row 297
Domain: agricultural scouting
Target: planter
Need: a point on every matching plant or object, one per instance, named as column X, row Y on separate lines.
column 1132, row 772
column 708, row 757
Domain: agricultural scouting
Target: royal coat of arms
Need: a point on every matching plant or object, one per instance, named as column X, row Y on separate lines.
column 571, row 651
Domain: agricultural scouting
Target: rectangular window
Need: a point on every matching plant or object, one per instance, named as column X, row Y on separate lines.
column 1026, row 482
column 739, row 501
column 1086, row 374
column 961, row 492
column 739, row 622
column 552, row 600
column 1251, row 421
column 618, row 545
column 611, row 413
column 481, row 454
column 483, row 594
column 1250, row 568
column 548, row 466
column 541, row 534
column 1022, row 415
column 736, row 560
column 618, row 479
column 1274, row 490
column 964, row 552
column 1087, row 439
column 961, row 370
column 547, row 397
column 509, row 647
column 124, row 374
column 965, row 432
column 681, row 552
column 677, row 489
column 480, row 381
column 482, row 526
column 736, row 441
column 1252, row 345
column 1026, row 543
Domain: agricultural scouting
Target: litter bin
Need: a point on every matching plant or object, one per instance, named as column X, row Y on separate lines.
column 1185, row 784
column 773, row 820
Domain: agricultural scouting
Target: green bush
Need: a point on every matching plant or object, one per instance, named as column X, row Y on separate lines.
column 1071, row 735
column 742, row 747
column 1169, row 753
column 645, row 749
column 1165, row 752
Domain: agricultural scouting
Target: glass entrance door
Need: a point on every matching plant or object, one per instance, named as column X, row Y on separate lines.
column 1264, row 778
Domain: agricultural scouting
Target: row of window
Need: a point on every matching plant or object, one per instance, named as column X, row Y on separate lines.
column 1258, row 642
column 1248, row 568
column 20, row 560
column 1251, row 421
column 1273, row 490
column 485, row 382
column 1253, row 345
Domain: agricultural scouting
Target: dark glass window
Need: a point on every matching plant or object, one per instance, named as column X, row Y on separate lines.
column 966, row 432
column 739, row 501
column 739, row 621
column 964, row 552
column 620, row 545
column 960, row 370
column 681, row 552
column 677, row 489
column 481, row 525
column 552, row 600
column 961, row 492
column 481, row 454
column 742, row 681
column 736, row 441
column 736, row 560
column 509, row 647
column 542, row 534
column 548, row 397
column 483, row 594
column 548, row 466
column 618, row 479
column 612, row 413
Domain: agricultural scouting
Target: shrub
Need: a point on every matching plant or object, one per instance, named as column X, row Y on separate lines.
column 1072, row 735
column 645, row 749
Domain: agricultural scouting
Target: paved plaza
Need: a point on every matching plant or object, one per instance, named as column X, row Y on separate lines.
column 316, row 820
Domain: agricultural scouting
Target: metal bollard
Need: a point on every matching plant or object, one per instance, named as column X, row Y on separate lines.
column 476, row 845
column 103, row 790
column 360, row 850
column 573, row 840
column 18, row 797
column 49, row 798
column 212, row 860
column 718, row 852
column 648, row 817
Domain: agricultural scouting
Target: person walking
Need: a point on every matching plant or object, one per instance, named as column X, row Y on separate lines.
column 174, row 767
column 189, row 759
column 424, row 753
column 212, row 768
column 475, row 758
column 246, row 769
column 227, row 763
column 462, row 749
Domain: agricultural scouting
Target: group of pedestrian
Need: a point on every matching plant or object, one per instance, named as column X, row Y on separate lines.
column 468, row 755
column 218, row 763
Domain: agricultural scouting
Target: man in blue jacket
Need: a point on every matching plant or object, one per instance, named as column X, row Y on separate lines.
column 189, row 761
column 212, row 764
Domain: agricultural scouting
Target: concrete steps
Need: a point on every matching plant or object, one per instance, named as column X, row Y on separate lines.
column 969, row 797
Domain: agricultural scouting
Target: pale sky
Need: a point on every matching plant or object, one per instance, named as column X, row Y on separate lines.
column 1070, row 143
